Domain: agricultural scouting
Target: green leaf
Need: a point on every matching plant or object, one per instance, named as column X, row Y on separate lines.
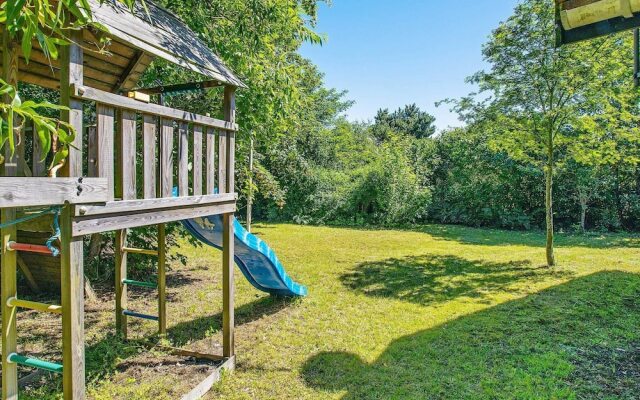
column 45, row 141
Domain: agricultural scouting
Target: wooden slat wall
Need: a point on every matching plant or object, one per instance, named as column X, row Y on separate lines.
column 126, row 181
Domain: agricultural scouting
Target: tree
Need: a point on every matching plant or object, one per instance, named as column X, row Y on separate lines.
column 534, row 93
column 410, row 120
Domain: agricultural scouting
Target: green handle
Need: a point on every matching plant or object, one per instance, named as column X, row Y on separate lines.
column 35, row 363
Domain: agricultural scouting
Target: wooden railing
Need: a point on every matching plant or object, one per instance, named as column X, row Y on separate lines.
column 192, row 152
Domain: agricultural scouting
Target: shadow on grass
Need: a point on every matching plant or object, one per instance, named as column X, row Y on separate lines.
column 576, row 340
column 429, row 279
column 200, row 328
column 495, row 237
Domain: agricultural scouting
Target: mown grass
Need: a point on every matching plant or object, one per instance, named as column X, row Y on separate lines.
column 437, row 312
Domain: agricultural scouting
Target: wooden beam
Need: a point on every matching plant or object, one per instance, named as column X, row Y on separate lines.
column 72, row 262
column 149, row 144
column 222, row 162
column 112, row 222
column 105, row 131
column 126, row 153
column 203, row 387
column 136, row 61
column 183, row 160
column 228, row 267
column 197, row 160
column 211, row 161
column 166, row 157
column 154, row 204
column 162, row 280
column 20, row 192
column 115, row 100
column 8, row 272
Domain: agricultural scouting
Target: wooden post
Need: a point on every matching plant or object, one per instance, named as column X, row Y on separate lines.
column 125, row 185
column 9, row 261
column 228, row 289
column 165, row 189
column 162, row 280
column 71, row 258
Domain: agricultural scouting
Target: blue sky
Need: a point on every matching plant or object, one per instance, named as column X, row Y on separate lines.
column 388, row 53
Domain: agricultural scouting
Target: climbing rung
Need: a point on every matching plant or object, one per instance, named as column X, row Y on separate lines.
column 133, row 250
column 32, row 305
column 30, row 248
column 34, row 362
column 131, row 282
column 138, row 315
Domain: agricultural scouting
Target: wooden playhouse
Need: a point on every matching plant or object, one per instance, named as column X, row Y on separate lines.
column 99, row 190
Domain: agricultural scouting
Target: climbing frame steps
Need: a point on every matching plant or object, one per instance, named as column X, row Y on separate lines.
column 139, row 315
column 131, row 282
column 32, row 305
column 34, row 363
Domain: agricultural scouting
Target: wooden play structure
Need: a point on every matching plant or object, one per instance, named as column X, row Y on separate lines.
column 100, row 190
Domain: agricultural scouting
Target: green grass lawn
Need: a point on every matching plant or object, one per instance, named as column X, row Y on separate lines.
column 433, row 313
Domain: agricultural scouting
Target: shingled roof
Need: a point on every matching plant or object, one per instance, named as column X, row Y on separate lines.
column 162, row 34
column 136, row 40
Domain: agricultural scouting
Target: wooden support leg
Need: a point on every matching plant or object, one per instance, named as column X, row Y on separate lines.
column 9, row 289
column 228, row 289
column 9, row 261
column 162, row 298
column 72, row 309
column 121, row 289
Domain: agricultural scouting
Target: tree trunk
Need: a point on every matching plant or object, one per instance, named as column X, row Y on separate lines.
column 549, row 200
column 583, row 214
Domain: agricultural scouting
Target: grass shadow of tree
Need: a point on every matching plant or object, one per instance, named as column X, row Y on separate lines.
column 496, row 237
column 429, row 279
column 575, row 340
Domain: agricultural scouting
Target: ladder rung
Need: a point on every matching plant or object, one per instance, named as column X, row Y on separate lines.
column 131, row 282
column 34, row 362
column 29, row 248
column 138, row 315
column 32, row 305
column 133, row 250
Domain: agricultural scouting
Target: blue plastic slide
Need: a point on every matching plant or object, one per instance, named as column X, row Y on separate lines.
column 255, row 258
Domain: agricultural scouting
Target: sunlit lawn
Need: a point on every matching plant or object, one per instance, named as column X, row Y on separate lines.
column 436, row 312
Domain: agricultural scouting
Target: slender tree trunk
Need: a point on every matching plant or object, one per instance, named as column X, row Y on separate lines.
column 583, row 214
column 549, row 200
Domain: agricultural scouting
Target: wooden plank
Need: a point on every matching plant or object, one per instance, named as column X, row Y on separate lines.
column 38, row 166
column 222, row 162
column 111, row 222
column 149, row 144
column 105, row 131
column 162, row 203
column 228, row 267
column 126, row 151
column 120, row 275
column 228, row 287
column 72, row 262
column 211, row 161
column 183, row 160
column 197, row 160
column 8, row 272
column 92, row 151
column 166, row 158
column 162, row 280
column 188, row 353
column 22, row 192
column 203, row 387
column 116, row 100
